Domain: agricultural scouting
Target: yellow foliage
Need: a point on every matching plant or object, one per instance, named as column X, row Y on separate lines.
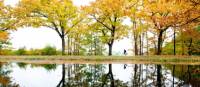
column 107, row 17
column 56, row 14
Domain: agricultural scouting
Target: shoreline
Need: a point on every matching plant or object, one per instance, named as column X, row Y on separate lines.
column 163, row 59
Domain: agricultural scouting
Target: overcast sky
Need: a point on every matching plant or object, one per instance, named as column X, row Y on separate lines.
column 40, row 37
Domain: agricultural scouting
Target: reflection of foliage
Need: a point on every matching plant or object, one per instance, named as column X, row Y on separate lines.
column 49, row 66
column 146, row 76
column 189, row 74
column 143, row 75
column 120, row 83
column 88, row 76
column 46, row 66
column 5, row 80
column 22, row 65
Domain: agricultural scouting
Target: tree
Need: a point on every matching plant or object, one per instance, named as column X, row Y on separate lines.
column 59, row 15
column 157, row 17
column 133, row 13
column 192, row 40
column 7, row 19
column 108, row 16
column 163, row 14
column 93, row 41
column 7, row 23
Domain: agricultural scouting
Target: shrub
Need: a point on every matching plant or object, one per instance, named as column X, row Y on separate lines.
column 20, row 51
column 48, row 50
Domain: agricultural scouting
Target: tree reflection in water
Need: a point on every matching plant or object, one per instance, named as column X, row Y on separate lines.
column 102, row 75
column 84, row 75
column 5, row 80
column 186, row 75
column 143, row 75
column 62, row 81
column 165, row 76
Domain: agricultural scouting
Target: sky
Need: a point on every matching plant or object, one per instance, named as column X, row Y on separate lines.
column 40, row 37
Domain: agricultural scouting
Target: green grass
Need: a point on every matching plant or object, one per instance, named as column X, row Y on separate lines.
column 189, row 60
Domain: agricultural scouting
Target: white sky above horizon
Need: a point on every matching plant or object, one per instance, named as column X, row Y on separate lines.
column 34, row 38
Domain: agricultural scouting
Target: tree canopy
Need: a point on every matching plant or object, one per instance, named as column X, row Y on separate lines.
column 103, row 20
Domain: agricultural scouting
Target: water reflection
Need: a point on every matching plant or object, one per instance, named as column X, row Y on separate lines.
column 98, row 75
column 5, row 80
column 80, row 75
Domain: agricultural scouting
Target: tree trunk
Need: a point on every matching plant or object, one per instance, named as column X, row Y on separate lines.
column 68, row 45
column 189, row 73
column 69, row 74
column 160, row 40
column 77, row 44
column 159, row 51
column 182, row 43
column 71, row 45
column 155, row 45
column 174, row 42
column 173, row 75
column 95, row 46
column 139, row 77
column 147, row 43
column 136, row 45
column 142, row 43
column 63, row 45
column 111, row 76
column 190, row 47
column 140, row 37
column 110, row 49
column 135, row 76
column 63, row 74
column 62, row 81
column 159, row 75
column 135, row 34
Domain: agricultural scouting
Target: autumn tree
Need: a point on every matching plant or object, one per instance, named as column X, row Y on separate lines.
column 191, row 38
column 156, row 13
column 108, row 14
column 94, row 41
column 7, row 23
column 132, row 12
column 187, row 41
column 187, row 14
column 157, row 16
column 59, row 15
column 79, row 40
column 163, row 14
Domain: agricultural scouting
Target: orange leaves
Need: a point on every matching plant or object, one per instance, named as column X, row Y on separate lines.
column 166, row 13
column 3, row 36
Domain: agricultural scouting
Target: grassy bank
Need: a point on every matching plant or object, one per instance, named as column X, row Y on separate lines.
column 191, row 60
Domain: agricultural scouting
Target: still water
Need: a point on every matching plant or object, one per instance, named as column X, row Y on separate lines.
column 98, row 75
